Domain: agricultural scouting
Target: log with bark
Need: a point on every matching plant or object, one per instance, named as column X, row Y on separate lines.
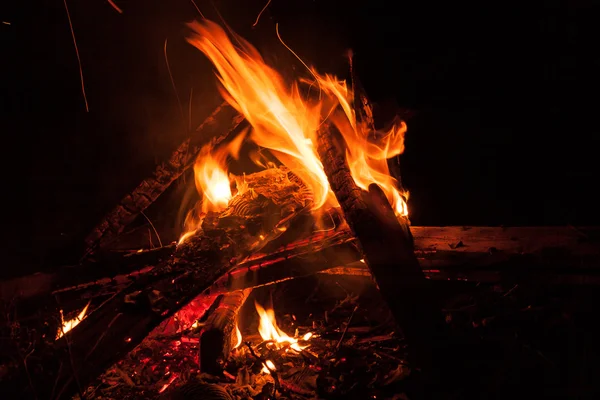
column 218, row 126
column 60, row 369
column 218, row 335
column 389, row 252
column 550, row 255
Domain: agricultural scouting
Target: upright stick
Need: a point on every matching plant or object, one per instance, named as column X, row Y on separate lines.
column 388, row 249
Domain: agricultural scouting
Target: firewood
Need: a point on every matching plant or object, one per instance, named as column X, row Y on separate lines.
column 305, row 258
column 218, row 334
column 389, row 251
column 485, row 254
column 361, row 103
column 122, row 322
column 224, row 119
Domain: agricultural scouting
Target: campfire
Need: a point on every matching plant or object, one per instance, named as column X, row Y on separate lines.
column 298, row 278
column 284, row 123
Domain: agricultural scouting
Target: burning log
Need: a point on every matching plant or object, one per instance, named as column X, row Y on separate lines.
column 220, row 333
column 303, row 258
column 479, row 254
column 361, row 103
column 389, row 251
column 119, row 324
column 223, row 119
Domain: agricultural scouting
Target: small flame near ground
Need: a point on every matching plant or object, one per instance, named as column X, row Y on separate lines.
column 266, row 369
column 269, row 331
column 72, row 323
column 238, row 335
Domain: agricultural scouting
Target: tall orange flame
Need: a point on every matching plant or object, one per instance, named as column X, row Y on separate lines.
column 286, row 123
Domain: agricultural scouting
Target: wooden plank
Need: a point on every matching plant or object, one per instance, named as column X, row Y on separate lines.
column 578, row 241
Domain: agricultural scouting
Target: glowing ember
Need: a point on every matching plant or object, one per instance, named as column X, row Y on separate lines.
column 166, row 385
column 72, row 323
column 269, row 331
column 270, row 365
column 286, row 123
column 238, row 335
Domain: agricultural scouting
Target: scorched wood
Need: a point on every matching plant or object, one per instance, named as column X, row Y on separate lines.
column 388, row 248
column 460, row 250
column 218, row 125
column 361, row 103
column 122, row 322
column 218, row 335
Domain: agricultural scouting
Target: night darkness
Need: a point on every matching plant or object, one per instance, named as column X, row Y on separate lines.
column 504, row 102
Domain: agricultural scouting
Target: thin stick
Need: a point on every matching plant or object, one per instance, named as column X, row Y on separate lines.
column 87, row 108
column 337, row 347
column 261, row 13
column 264, row 362
column 152, row 225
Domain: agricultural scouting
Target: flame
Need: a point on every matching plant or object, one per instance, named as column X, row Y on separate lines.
column 212, row 181
column 269, row 330
column 268, row 367
column 72, row 323
column 281, row 120
column 238, row 335
column 286, row 123
column 367, row 151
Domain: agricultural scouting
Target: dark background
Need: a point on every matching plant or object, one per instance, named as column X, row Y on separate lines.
column 504, row 130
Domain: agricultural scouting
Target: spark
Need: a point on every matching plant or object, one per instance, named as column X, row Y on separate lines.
column 261, row 13
column 173, row 83
column 113, row 5
column 197, row 9
column 87, row 108
column 298, row 57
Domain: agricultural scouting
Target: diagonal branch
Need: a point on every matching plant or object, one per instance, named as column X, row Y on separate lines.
column 223, row 120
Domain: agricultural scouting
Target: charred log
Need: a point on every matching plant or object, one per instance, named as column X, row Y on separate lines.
column 480, row 254
column 362, row 105
column 218, row 334
column 389, row 251
column 223, row 119
column 300, row 259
